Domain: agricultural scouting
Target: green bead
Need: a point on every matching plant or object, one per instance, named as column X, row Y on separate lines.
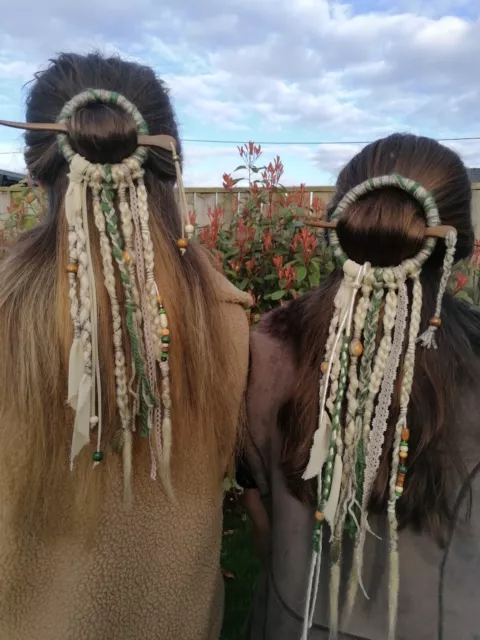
column 166, row 339
column 98, row 456
column 402, row 468
column 164, row 357
column 162, row 312
column 404, row 443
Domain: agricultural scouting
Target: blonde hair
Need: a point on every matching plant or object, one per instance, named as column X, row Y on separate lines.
column 36, row 298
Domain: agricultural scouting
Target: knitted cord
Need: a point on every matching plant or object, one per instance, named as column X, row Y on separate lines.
column 147, row 399
column 72, row 278
column 118, row 176
column 110, row 285
column 96, row 419
column 427, row 339
column 381, row 359
column 332, row 475
column 379, row 367
column 316, row 470
column 155, row 435
column 382, row 411
column 149, row 258
column 345, row 491
column 162, row 420
column 352, row 404
column 366, row 361
column 84, row 320
column 406, row 388
column 122, row 179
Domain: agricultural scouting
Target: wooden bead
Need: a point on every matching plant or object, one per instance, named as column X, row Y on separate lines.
column 165, row 332
column 72, row 268
column 403, row 455
column 435, row 322
column 182, row 243
column 406, row 434
column 165, row 348
column 400, row 480
column 319, row 516
column 356, row 348
column 126, row 258
column 324, row 367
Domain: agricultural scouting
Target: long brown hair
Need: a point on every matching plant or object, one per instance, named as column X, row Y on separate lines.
column 384, row 228
column 35, row 327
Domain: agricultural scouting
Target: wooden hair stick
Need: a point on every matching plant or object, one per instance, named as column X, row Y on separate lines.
column 430, row 232
column 162, row 141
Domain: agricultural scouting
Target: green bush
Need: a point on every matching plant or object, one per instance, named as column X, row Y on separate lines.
column 266, row 248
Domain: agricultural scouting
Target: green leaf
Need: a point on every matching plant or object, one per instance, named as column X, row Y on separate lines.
column 463, row 295
column 278, row 295
column 29, row 222
column 301, row 274
column 243, row 284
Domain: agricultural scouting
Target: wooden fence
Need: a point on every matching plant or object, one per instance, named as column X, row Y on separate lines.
column 200, row 200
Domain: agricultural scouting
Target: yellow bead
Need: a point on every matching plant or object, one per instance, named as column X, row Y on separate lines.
column 182, row 243
column 403, row 455
column 435, row 322
column 126, row 257
column 72, row 268
column 165, row 332
column 159, row 299
column 324, row 367
column 356, row 348
column 319, row 516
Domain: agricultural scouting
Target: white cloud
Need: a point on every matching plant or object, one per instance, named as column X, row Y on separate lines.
column 10, row 159
column 316, row 69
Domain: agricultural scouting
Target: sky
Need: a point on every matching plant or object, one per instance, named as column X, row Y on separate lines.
column 270, row 71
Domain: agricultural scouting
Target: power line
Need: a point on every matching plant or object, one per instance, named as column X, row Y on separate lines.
column 318, row 143
column 287, row 143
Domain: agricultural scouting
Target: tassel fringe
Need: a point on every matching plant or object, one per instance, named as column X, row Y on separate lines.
column 356, row 389
column 127, row 254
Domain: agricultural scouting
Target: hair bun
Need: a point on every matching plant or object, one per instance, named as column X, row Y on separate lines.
column 103, row 133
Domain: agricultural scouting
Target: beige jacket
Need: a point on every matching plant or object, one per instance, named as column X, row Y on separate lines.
column 151, row 574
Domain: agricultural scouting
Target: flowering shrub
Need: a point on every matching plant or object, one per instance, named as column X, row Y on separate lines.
column 259, row 238
column 24, row 211
column 465, row 280
column 266, row 248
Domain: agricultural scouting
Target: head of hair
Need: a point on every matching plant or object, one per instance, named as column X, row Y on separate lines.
column 35, row 323
column 385, row 227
